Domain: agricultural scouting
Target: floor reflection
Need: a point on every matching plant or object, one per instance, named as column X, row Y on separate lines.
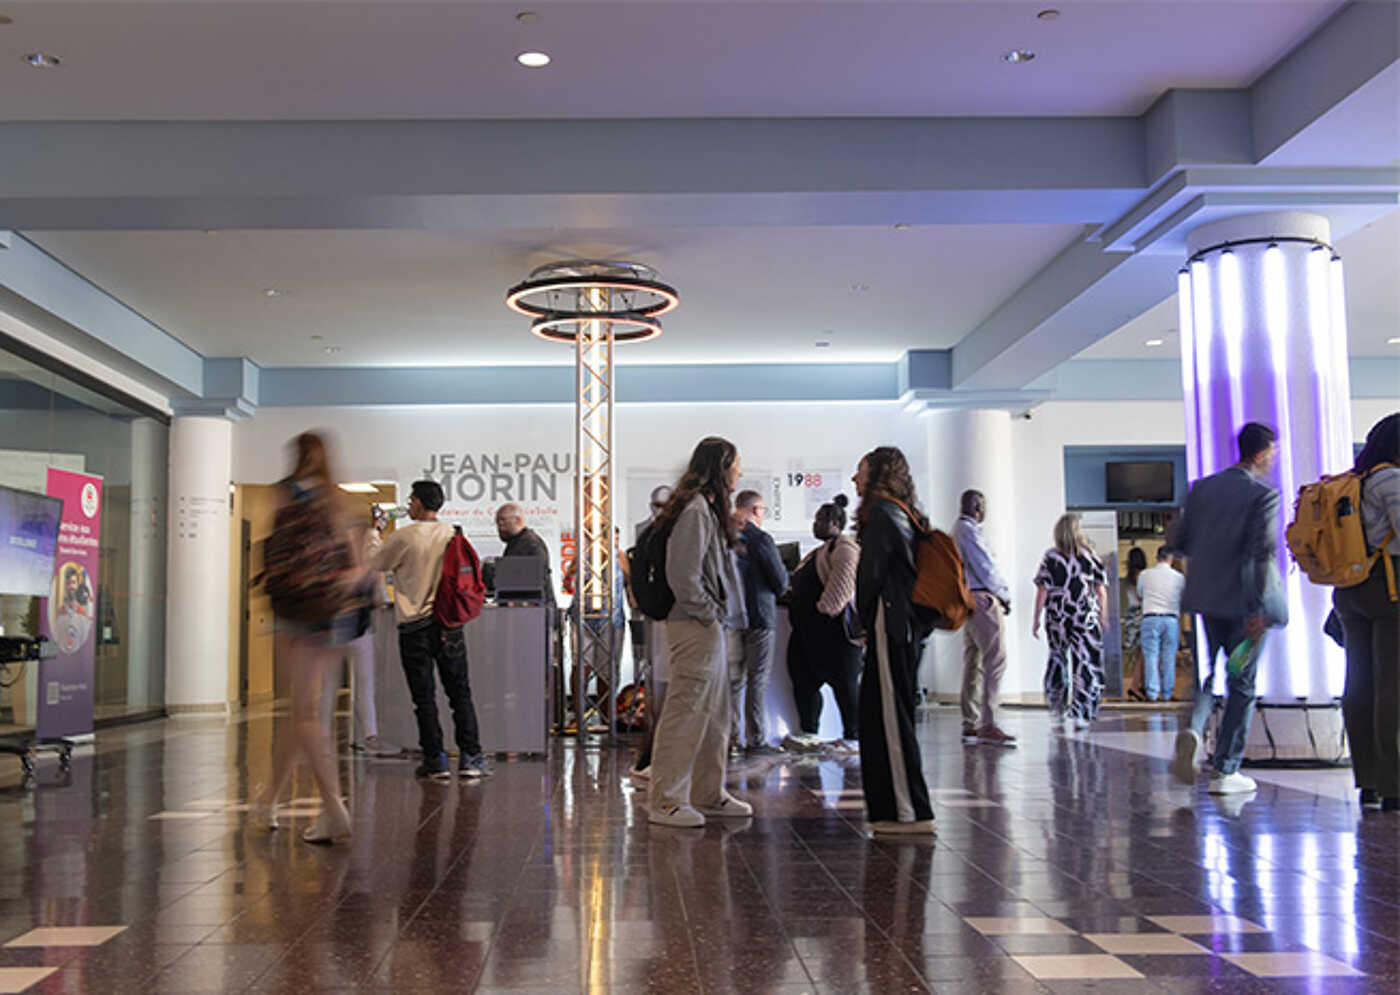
column 1072, row 863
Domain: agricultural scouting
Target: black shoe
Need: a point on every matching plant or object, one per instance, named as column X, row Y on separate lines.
column 1390, row 804
column 435, row 769
column 1370, row 798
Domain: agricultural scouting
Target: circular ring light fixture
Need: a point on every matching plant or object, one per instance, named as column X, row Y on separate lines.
column 635, row 328
column 562, row 296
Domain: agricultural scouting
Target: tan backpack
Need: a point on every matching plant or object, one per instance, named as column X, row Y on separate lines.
column 1327, row 537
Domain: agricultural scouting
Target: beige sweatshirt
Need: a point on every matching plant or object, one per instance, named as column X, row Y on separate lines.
column 414, row 554
column 836, row 569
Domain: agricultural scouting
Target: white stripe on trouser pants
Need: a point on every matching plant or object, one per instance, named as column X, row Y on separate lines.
column 889, row 716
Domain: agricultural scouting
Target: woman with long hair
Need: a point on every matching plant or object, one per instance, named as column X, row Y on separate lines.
column 692, row 735
column 896, row 797
column 826, row 646
column 315, row 559
column 1371, row 623
column 1130, row 616
column 1072, row 596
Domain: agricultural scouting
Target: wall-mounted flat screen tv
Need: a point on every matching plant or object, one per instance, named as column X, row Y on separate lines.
column 1139, row 481
column 28, row 541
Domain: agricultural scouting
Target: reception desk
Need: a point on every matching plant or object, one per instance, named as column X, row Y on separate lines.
column 508, row 662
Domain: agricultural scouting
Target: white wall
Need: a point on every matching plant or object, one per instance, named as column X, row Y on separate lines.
column 653, row 443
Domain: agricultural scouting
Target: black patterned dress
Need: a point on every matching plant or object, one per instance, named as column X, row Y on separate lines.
column 1074, row 672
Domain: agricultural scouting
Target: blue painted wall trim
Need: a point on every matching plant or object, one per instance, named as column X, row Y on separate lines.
column 926, row 369
column 307, row 387
column 1372, row 378
column 1085, row 485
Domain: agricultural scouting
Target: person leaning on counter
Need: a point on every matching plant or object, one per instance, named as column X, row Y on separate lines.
column 521, row 540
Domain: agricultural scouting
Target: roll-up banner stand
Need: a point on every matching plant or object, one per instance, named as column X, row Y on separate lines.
column 69, row 615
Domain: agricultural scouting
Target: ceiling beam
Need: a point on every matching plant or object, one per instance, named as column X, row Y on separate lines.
column 532, row 174
column 1359, row 43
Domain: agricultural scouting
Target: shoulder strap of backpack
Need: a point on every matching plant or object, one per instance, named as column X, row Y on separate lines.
column 915, row 521
column 1389, row 566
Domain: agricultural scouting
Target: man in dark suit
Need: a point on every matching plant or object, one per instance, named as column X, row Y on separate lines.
column 1229, row 533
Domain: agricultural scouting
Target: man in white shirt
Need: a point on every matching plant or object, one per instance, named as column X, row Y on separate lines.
column 414, row 555
column 1160, row 591
column 984, row 647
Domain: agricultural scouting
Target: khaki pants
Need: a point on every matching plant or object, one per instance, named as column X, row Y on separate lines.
column 984, row 661
column 692, row 737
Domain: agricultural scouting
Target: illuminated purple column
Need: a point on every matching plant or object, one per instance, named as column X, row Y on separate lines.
column 1263, row 338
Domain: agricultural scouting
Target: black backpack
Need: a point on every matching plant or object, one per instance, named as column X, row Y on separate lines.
column 647, row 561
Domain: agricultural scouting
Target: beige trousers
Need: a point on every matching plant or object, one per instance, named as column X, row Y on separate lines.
column 984, row 661
column 692, row 737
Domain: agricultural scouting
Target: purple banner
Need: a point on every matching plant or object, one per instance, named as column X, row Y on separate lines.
column 68, row 616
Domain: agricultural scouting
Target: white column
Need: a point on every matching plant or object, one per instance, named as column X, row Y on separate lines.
column 144, row 645
column 1263, row 338
column 970, row 450
column 197, row 579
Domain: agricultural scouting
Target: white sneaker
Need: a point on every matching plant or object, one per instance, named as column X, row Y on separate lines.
column 728, row 807
column 641, row 779
column 923, row 827
column 1082, row 725
column 1230, row 784
column 801, row 742
column 1188, row 743
column 678, row 816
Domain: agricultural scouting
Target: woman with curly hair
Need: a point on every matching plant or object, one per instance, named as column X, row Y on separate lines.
column 896, row 797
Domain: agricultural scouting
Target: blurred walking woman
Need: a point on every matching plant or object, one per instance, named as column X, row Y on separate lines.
column 692, row 736
column 896, row 797
column 313, row 577
column 1072, row 595
column 1371, row 620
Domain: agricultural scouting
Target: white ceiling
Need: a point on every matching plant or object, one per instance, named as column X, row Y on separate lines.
column 403, row 59
column 403, row 297
column 1371, row 258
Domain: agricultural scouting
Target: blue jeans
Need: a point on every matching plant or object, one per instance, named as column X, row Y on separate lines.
column 1224, row 634
column 1159, row 637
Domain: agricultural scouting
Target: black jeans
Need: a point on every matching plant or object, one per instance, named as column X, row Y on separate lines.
column 1371, row 703
column 421, row 645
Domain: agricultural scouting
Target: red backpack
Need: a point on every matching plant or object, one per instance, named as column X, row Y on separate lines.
column 461, row 591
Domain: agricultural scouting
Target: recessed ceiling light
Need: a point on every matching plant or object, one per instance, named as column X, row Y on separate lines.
column 1018, row 55
column 902, row 226
column 332, row 350
column 1048, row 14
column 822, row 344
column 271, row 292
column 1394, row 341
column 527, row 17
column 532, row 60
column 1152, row 343
column 42, row 60
column 859, row 288
column 317, row 338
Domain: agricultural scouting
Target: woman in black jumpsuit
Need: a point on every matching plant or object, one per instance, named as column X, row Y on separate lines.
column 896, row 797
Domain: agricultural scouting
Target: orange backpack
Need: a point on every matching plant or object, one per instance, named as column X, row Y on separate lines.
column 939, row 581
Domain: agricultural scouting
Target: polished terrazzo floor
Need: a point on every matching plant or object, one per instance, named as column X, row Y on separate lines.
column 1071, row 864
